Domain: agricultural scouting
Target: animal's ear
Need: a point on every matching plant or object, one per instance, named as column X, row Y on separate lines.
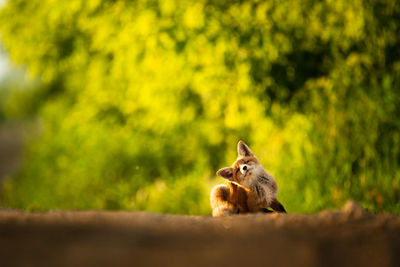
column 226, row 173
column 244, row 150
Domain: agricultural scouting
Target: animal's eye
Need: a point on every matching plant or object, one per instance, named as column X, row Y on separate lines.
column 247, row 161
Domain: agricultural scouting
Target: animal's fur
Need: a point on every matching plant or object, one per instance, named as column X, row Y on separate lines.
column 251, row 188
column 227, row 200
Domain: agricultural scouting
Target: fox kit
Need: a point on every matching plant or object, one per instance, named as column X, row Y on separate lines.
column 251, row 188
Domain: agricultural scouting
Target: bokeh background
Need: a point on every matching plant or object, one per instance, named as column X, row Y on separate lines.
column 134, row 105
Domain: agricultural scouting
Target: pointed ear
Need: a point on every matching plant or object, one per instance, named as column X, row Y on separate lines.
column 244, row 150
column 226, row 173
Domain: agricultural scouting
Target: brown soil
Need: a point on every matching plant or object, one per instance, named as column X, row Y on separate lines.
column 349, row 237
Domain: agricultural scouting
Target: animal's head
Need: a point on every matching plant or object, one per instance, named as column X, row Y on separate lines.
column 245, row 167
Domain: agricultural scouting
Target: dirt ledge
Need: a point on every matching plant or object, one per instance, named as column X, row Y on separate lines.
column 348, row 237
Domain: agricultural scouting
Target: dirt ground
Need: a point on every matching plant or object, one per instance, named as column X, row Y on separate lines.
column 349, row 237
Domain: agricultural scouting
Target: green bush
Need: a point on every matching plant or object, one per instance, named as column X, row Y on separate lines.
column 142, row 101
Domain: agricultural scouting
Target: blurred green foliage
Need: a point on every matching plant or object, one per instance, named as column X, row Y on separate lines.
column 142, row 101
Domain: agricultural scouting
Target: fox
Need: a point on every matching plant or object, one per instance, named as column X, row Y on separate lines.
column 250, row 189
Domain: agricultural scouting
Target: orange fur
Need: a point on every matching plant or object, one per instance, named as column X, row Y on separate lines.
column 251, row 187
